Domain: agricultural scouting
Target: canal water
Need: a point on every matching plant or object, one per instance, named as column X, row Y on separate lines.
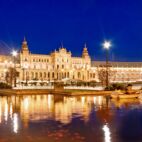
column 48, row 118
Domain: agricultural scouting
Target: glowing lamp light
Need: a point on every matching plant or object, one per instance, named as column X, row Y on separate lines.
column 107, row 44
column 14, row 53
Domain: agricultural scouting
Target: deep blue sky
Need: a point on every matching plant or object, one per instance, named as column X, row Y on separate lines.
column 47, row 23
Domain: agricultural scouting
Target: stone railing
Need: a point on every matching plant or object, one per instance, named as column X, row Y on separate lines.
column 66, row 87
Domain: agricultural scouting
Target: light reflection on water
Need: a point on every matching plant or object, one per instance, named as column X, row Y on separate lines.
column 6, row 111
column 107, row 133
column 15, row 123
column 82, row 118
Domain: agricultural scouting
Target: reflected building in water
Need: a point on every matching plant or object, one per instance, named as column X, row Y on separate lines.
column 34, row 108
column 91, row 115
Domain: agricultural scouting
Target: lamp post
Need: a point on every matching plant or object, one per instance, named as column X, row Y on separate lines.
column 25, row 74
column 106, row 46
column 14, row 54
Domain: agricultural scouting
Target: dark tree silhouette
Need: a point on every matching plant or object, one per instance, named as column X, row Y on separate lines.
column 102, row 73
column 11, row 74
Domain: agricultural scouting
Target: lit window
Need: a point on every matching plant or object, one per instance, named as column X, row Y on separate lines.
column 57, row 66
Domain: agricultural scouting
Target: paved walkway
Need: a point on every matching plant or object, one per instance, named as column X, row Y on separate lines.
column 67, row 87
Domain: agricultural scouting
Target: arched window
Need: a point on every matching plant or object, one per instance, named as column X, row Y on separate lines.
column 57, row 75
column 26, row 59
column 32, row 75
column 44, row 74
column 52, row 74
column 62, row 75
column 65, row 74
column 36, row 75
column 48, row 74
column 73, row 76
column 83, row 77
column 79, row 75
column 40, row 74
column 68, row 75
column 57, row 66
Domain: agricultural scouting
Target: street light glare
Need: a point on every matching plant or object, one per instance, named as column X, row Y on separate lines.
column 14, row 53
column 107, row 44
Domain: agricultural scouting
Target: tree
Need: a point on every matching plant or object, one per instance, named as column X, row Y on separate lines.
column 102, row 72
column 11, row 74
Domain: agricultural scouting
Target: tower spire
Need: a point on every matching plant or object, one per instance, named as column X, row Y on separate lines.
column 24, row 48
column 24, row 38
column 85, row 51
column 24, row 41
column 85, row 45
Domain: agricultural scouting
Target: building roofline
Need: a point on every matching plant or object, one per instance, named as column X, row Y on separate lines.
column 117, row 64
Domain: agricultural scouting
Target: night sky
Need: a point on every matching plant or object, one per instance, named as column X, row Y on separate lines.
column 48, row 23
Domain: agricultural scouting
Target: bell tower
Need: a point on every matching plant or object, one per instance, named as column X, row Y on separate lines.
column 24, row 49
column 85, row 52
column 24, row 55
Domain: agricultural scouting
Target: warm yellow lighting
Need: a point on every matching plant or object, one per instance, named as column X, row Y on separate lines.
column 94, row 100
column 5, row 70
column 26, row 103
column 100, row 100
column 26, row 66
column 15, row 123
column 107, row 44
column 49, row 100
column 82, row 100
column 5, row 62
column 6, row 111
column 0, row 112
column 11, row 110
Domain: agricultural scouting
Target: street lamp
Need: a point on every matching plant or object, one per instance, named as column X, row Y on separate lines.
column 107, row 45
column 14, row 54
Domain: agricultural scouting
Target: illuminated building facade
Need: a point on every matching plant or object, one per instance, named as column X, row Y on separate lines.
column 61, row 65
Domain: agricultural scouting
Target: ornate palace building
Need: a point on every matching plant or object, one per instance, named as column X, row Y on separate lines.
column 61, row 65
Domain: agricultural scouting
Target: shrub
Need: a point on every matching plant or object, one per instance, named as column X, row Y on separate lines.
column 116, row 86
column 41, row 83
column 4, row 86
column 92, row 83
column 129, row 84
column 34, row 83
column 109, row 88
column 119, row 86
